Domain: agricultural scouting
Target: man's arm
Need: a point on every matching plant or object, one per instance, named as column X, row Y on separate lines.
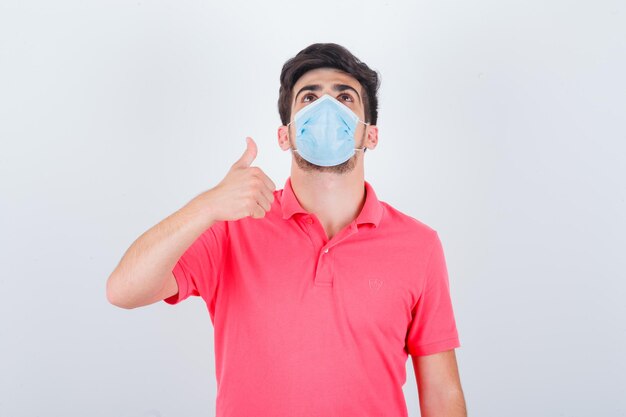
column 439, row 385
column 144, row 274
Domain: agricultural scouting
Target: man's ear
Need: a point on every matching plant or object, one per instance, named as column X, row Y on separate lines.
column 283, row 140
column 372, row 137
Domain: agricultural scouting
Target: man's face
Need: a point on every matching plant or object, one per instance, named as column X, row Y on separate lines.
column 339, row 85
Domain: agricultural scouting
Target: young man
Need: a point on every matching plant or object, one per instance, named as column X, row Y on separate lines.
column 318, row 292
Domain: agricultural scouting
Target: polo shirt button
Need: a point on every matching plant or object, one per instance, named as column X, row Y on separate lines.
column 309, row 220
column 326, row 250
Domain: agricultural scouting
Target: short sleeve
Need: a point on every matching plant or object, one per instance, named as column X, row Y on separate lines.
column 198, row 269
column 433, row 327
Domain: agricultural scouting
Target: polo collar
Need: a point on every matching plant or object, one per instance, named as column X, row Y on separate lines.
column 371, row 212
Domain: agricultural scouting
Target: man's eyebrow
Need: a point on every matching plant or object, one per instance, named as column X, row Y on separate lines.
column 336, row 87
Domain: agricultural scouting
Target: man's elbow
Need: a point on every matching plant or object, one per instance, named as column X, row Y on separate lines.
column 112, row 295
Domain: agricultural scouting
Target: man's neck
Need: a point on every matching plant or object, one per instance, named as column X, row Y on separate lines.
column 335, row 199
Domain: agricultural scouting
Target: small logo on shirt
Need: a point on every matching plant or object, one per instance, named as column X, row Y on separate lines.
column 375, row 284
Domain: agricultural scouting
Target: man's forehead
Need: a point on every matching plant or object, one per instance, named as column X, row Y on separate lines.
column 326, row 76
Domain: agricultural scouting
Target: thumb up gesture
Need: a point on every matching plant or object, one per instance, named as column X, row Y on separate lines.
column 245, row 190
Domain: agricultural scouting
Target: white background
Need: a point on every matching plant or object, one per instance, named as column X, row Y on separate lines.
column 502, row 126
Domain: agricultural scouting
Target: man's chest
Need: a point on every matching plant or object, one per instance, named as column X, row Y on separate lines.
column 301, row 290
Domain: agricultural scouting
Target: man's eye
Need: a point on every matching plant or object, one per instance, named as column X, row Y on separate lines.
column 307, row 95
column 346, row 96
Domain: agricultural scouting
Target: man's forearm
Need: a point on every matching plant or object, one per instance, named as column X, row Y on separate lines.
column 145, row 266
column 449, row 404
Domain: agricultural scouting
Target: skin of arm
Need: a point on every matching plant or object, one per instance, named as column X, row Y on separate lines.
column 439, row 386
column 143, row 276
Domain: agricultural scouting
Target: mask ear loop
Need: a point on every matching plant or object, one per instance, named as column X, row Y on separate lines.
column 364, row 149
column 288, row 136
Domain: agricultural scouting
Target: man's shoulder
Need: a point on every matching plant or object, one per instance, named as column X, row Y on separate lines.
column 398, row 219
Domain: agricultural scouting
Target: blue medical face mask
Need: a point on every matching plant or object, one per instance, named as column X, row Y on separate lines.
column 325, row 132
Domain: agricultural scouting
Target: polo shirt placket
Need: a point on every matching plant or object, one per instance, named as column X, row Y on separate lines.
column 323, row 247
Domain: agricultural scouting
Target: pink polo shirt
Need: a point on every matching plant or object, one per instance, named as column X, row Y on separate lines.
column 307, row 326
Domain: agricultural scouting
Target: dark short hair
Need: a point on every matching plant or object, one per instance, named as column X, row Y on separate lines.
column 328, row 55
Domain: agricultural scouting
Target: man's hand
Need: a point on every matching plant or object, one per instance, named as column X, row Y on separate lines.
column 244, row 191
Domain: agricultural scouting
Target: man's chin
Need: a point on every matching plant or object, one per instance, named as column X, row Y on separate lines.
column 342, row 168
